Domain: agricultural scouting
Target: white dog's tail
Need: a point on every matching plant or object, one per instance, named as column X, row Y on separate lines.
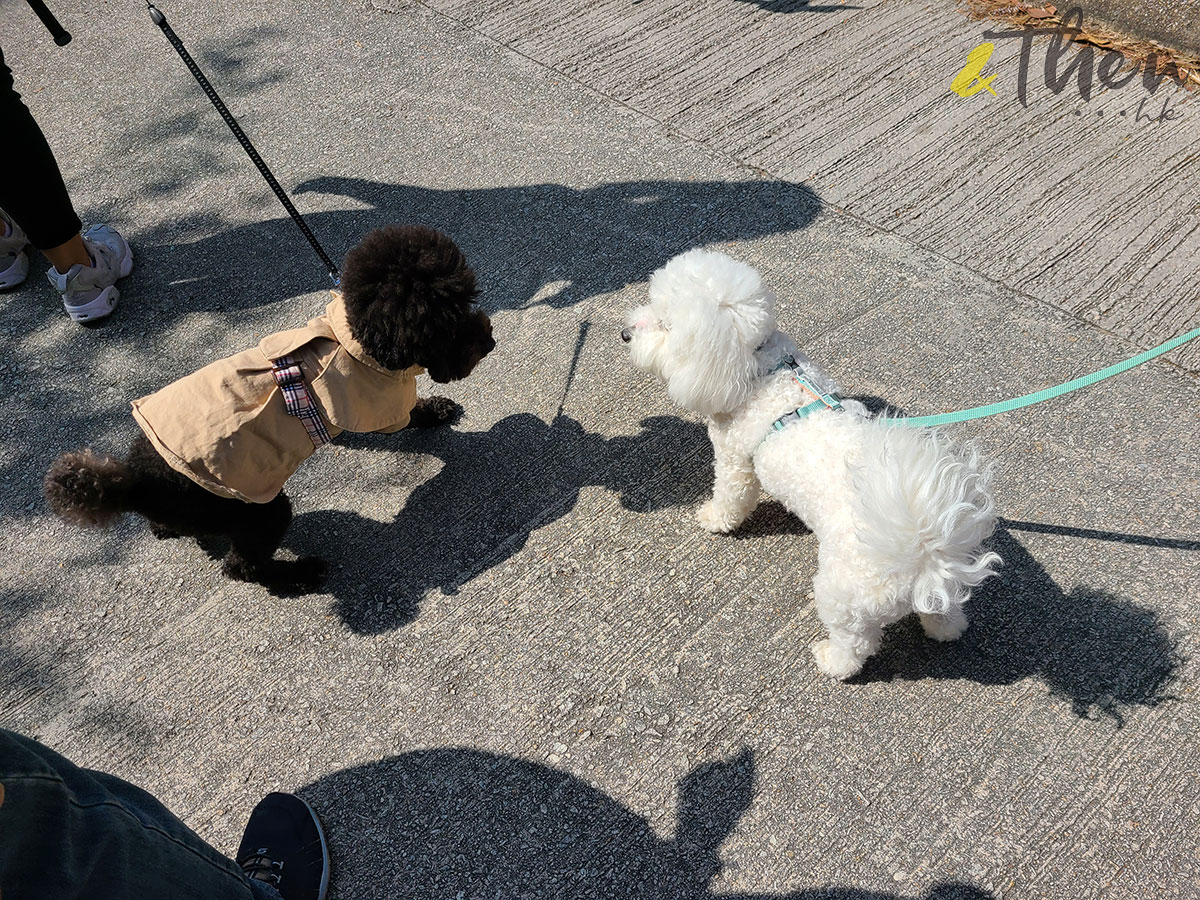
column 926, row 506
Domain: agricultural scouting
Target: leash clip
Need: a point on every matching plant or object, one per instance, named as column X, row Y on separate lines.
column 830, row 400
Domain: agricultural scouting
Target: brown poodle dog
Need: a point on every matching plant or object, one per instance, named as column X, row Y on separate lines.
column 217, row 445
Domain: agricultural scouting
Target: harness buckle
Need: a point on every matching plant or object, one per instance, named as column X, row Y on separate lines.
column 830, row 400
column 824, row 400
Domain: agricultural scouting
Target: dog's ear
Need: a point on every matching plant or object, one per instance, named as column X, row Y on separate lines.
column 718, row 312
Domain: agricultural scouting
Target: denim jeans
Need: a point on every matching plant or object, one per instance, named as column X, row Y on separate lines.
column 32, row 192
column 68, row 833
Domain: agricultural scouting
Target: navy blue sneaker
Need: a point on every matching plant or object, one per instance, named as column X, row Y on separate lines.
column 285, row 847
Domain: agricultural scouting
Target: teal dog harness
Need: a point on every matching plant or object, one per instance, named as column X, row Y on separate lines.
column 823, row 401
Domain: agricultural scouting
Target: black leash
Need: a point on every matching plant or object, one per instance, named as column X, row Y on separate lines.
column 61, row 36
column 161, row 21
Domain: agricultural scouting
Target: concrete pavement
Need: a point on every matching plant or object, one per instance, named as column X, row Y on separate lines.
column 1171, row 24
column 531, row 674
column 1072, row 192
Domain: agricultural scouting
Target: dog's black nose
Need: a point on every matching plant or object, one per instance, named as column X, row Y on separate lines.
column 626, row 335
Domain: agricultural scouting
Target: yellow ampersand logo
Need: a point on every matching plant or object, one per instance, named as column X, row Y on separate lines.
column 968, row 83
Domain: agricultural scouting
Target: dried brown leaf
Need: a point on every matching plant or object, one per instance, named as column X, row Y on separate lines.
column 1181, row 67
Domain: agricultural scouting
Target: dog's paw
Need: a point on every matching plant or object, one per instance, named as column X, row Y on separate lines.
column 292, row 578
column 712, row 519
column 949, row 627
column 238, row 570
column 309, row 572
column 283, row 578
column 835, row 661
column 431, row 412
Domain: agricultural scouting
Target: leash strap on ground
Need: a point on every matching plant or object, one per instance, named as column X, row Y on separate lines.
column 994, row 409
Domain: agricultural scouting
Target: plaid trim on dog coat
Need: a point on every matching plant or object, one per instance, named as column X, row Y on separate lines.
column 227, row 426
column 290, row 378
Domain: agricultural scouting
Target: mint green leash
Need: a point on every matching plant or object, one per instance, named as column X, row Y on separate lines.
column 994, row 409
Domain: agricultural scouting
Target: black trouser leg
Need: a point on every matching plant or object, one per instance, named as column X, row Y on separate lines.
column 72, row 832
column 32, row 192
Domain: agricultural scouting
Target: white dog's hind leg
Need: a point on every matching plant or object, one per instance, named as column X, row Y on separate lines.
column 735, row 493
column 853, row 615
column 843, row 654
column 947, row 626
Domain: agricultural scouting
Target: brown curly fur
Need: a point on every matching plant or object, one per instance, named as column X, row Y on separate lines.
column 85, row 489
column 409, row 295
column 410, row 300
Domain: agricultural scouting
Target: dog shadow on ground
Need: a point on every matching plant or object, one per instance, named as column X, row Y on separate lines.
column 494, row 489
column 1101, row 653
column 457, row 822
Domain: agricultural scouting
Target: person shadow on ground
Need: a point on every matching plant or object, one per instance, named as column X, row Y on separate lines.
column 545, row 244
column 455, row 822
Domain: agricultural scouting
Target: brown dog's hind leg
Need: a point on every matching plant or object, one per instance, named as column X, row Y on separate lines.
column 252, row 554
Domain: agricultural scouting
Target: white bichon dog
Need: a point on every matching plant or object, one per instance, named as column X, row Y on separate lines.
column 899, row 512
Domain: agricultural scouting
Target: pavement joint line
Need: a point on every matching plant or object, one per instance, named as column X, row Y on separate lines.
column 823, row 204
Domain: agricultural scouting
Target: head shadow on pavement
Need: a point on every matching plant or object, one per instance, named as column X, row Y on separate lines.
column 459, row 822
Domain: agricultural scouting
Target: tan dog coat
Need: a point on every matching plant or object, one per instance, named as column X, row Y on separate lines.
column 226, row 427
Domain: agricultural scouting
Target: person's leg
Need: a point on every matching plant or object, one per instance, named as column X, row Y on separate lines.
column 68, row 833
column 34, row 205
column 32, row 191
column 70, row 253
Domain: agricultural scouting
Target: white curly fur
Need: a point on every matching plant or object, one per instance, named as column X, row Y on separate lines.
column 900, row 513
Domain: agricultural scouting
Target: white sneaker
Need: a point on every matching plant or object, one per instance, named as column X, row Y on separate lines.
column 90, row 293
column 14, row 261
